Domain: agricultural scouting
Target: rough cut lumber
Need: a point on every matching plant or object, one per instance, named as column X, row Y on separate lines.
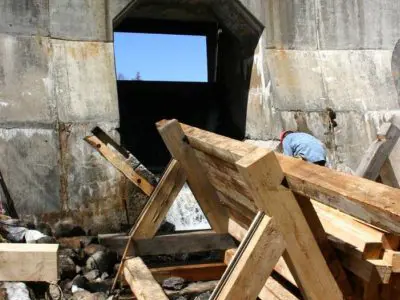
column 273, row 290
column 156, row 208
column 199, row 272
column 309, row 264
column 160, row 201
column 142, row 283
column 324, row 244
column 197, row 241
column 379, row 151
column 202, row 189
column 238, row 232
column 393, row 259
column 183, row 243
column 366, row 200
column 194, row 288
column 120, row 164
column 363, row 268
column 28, row 262
column 250, row 268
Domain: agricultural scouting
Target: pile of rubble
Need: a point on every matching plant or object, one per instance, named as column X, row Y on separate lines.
column 87, row 268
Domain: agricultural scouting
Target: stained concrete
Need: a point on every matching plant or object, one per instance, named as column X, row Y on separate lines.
column 30, row 167
column 25, row 83
column 79, row 20
column 366, row 24
column 85, row 86
column 24, row 17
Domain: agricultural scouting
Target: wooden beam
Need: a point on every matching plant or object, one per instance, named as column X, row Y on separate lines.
column 393, row 259
column 324, row 244
column 28, row 262
column 142, row 283
column 379, row 151
column 366, row 200
column 199, row 272
column 273, row 290
column 280, row 203
column 170, row 244
column 174, row 138
column 193, row 289
column 156, row 208
column 252, row 263
column 120, row 164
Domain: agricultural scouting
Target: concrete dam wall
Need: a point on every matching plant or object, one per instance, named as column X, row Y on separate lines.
column 292, row 61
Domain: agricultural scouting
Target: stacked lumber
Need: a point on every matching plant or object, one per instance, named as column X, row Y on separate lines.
column 305, row 231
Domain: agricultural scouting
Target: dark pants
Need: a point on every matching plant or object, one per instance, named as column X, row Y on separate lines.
column 320, row 163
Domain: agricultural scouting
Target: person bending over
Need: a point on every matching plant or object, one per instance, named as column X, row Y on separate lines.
column 303, row 145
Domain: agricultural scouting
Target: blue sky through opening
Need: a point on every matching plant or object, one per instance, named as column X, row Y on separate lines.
column 161, row 57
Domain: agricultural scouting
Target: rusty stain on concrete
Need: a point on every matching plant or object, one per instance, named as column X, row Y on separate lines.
column 86, row 50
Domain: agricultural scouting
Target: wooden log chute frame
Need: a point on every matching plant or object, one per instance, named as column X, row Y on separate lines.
column 232, row 181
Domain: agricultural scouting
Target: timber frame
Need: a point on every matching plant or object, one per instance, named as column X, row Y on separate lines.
column 262, row 199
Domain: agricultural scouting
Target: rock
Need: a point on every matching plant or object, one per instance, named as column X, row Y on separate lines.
column 166, row 228
column 104, row 261
column 174, row 283
column 46, row 240
column 65, row 285
column 104, row 276
column 67, row 267
column 100, row 286
column 92, row 275
column 16, row 291
column 54, row 292
column 80, row 282
column 85, row 295
column 181, row 298
column 45, row 229
column 76, row 242
column 78, row 269
column 203, row 296
column 67, row 228
column 93, row 248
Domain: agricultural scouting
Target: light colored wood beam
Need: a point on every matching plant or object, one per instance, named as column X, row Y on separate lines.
column 142, row 283
column 120, row 164
column 28, row 262
column 205, row 194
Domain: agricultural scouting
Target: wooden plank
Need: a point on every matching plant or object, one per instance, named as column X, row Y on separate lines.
column 379, row 151
column 261, row 171
column 174, row 138
column 28, row 262
column 156, row 208
column 325, row 246
column 273, row 290
column 363, row 268
column 193, row 289
column 184, row 243
column 366, row 200
column 249, row 273
column 393, row 259
column 281, row 268
column 120, row 164
column 388, row 176
column 343, row 227
column 170, row 244
column 199, row 272
column 142, row 283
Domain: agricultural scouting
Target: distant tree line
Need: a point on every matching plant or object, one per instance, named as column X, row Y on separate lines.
column 121, row 76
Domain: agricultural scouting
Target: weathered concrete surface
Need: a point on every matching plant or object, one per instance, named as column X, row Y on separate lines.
column 396, row 66
column 79, row 20
column 24, row 17
column 291, row 24
column 366, row 24
column 85, row 84
column 25, row 84
column 92, row 185
column 29, row 163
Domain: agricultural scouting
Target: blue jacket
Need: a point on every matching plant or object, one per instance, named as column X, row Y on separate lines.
column 304, row 145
